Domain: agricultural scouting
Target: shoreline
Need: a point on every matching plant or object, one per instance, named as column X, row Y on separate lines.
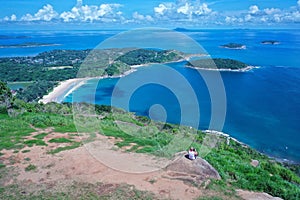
column 27, row 46
column 60, row 89
column 228, row 138
column 66, row 87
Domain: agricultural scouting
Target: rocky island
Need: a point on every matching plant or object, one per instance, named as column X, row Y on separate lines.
column 219, row 64
column 272, row 42
column 233, row 46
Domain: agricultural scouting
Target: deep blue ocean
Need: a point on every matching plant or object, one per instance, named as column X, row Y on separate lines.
column 263, row 105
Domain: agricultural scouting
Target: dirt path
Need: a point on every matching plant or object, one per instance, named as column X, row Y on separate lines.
column 98, row 161
column 102, row 161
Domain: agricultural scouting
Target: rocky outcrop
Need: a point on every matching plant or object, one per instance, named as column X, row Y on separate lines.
column 248, row 195
column 193, row 171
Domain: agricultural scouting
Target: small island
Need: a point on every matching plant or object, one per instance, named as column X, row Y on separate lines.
column 27, row 45
column 233, row 46
column 272, row 42
column 219, row 64
column 14, row 37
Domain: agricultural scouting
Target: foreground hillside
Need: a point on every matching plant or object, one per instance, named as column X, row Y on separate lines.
column 42, row 155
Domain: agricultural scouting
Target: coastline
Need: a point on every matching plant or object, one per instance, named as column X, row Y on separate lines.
column 60, row 89
column 27, row 46
column 228, row 138
column 66, row 87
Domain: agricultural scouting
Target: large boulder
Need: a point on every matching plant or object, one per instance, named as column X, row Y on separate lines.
column 196, row 171
column 248, row 195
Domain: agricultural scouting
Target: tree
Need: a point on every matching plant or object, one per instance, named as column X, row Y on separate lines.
column 6, row 98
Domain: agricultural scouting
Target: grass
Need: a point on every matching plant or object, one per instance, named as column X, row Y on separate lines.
column 27, row 159
column 12, row 132
column 59, row 149
column 60, row 123
column 30, row 143
column 231, row 161
column 60, row 140
column 233, row 164
column 40, row 136
column 30, row 168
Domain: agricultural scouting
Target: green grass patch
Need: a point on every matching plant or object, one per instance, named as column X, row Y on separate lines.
column 59, row 149
column 2, row 165
column 43, row 120
column 233, row 164
column 30, row 143
column 27, row 159
column 25, row 151
column 60, row 140
column 12, row 132
column 30, row 167
column 40, row 136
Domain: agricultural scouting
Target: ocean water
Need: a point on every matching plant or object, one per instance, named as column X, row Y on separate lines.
column 262, row 105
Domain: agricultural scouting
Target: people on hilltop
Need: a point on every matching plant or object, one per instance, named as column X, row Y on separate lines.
column 192, row 153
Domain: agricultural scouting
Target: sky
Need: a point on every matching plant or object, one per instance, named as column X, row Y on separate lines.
column 151, row 13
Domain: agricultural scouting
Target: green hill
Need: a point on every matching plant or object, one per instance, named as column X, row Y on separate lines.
column 217, row 63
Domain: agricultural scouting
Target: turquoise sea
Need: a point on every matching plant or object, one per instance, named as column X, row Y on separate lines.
column 262, row 105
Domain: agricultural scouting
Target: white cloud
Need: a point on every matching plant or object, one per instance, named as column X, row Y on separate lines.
column 267, row 16
column 182, row 10
column 12, row 18
column 47, row 13
column 270, row 11
column 160, row 10
column 253, row 9
column 104, row 12
column 139, row 17
column 179, row 12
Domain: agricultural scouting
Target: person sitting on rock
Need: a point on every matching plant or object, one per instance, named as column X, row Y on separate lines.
column 193, row 153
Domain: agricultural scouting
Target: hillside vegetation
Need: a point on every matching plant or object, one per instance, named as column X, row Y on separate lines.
column 46, row 69
column 217, row 63
column 17, row 120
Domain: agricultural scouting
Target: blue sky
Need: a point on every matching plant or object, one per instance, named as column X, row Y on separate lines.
column 163, row 13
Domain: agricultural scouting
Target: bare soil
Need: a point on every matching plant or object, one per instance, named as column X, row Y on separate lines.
column 101, row 161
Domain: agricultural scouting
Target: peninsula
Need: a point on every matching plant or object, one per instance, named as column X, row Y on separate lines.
column 27, row 45
column 219, row 64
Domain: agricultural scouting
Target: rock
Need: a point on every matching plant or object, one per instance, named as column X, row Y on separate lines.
column 254, row 163
column 195, row 171
column 247, row 195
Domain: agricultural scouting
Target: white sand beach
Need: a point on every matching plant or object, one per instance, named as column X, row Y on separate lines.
column 61, row 89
